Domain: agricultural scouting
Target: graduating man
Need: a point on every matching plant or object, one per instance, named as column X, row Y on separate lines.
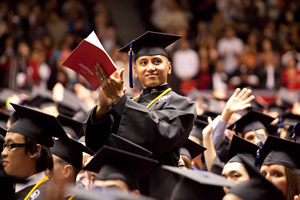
column 159, row 119
column 26, row 151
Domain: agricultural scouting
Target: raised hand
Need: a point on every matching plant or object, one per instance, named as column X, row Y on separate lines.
column 239, row 101
column 112, row 86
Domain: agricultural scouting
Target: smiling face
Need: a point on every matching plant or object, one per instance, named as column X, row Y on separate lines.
column 235, row 172
column 14, row 159
column 276, row 174
column 152, row 70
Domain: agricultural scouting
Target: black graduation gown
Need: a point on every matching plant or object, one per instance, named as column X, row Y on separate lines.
column 38, row 194
column 162, row 129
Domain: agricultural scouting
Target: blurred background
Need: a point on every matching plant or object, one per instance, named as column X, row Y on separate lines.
column 225, row 43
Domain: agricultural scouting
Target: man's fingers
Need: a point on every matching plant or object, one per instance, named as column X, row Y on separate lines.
column 101, row 71
column 242, row 92
column 249, row 99
column 246, row 94
column 121, row 74
column 237, row 90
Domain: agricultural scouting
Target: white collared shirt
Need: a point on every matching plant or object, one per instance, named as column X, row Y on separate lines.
column 34, row 179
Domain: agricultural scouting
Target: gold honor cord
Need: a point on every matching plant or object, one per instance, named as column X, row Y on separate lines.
column 154, row 100
column 72, row 197
column 36, row 185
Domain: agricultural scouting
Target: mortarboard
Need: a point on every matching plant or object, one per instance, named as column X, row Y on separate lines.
column 198, row 184
column 150, row 43
column 275, row 108
column 3, row 118
column 37, row 125
column 13, row 117
column 258, row 187
column 126, row 145
column 241, row 146
column 293, row 132
column 191, row 149
column 272, row 129
column 198, row 127
column 70, row 151
column 288, row 97
column 290, row 118
column 280, row 151
column 112, row 163
column 253, row 120
column 71, row 126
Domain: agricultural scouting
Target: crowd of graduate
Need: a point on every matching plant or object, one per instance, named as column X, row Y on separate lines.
column 61, row 140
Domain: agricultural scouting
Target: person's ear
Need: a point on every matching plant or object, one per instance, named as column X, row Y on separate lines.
column 38, row 151
column 135, row 72
column 68, row 170
column 169, row 67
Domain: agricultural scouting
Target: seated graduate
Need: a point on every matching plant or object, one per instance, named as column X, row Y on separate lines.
column 257, row 187
column 280, row 163
column 159, row 119
column 67, row 162
column 198, row 184
column 26, row 151
column 234, row 169
column 252, row 126
column 119, row 169
column 188, row 152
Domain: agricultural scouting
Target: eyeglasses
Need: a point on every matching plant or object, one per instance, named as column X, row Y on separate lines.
column 13, row 145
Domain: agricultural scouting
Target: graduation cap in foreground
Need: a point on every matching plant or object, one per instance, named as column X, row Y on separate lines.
column 70, row 151
column 150, row 43
column 258, row 187
column 253, row 120
column 126, row 145
column 71, row 126
column 241, row 146
column 108, row 194
column 37, row 125
column 198, row 184
column 112, row 163
column 280, row 151
column 191, row 149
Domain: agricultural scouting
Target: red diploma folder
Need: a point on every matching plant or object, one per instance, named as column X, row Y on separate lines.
column 84, row 58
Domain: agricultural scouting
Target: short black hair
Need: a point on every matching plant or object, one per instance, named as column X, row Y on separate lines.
column 45, row 160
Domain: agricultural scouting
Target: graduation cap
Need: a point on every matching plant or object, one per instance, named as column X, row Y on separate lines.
column 112, row 163
column 288, row 97
column 37, row 125
column 280, row 151
column 258, row 187
column 253, row 120
column 150, row 43
column 200, row 124
column 191, row 149
column 71, row 126
column 241, row 146
column 272, row 129
column 126, row 145
column 3, row 118
column 276, row 108
column 290, row 118
column 70, row 151
column 198, row 184
column 293, row 132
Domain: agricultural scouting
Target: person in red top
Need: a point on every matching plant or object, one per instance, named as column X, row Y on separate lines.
column 291, row 76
